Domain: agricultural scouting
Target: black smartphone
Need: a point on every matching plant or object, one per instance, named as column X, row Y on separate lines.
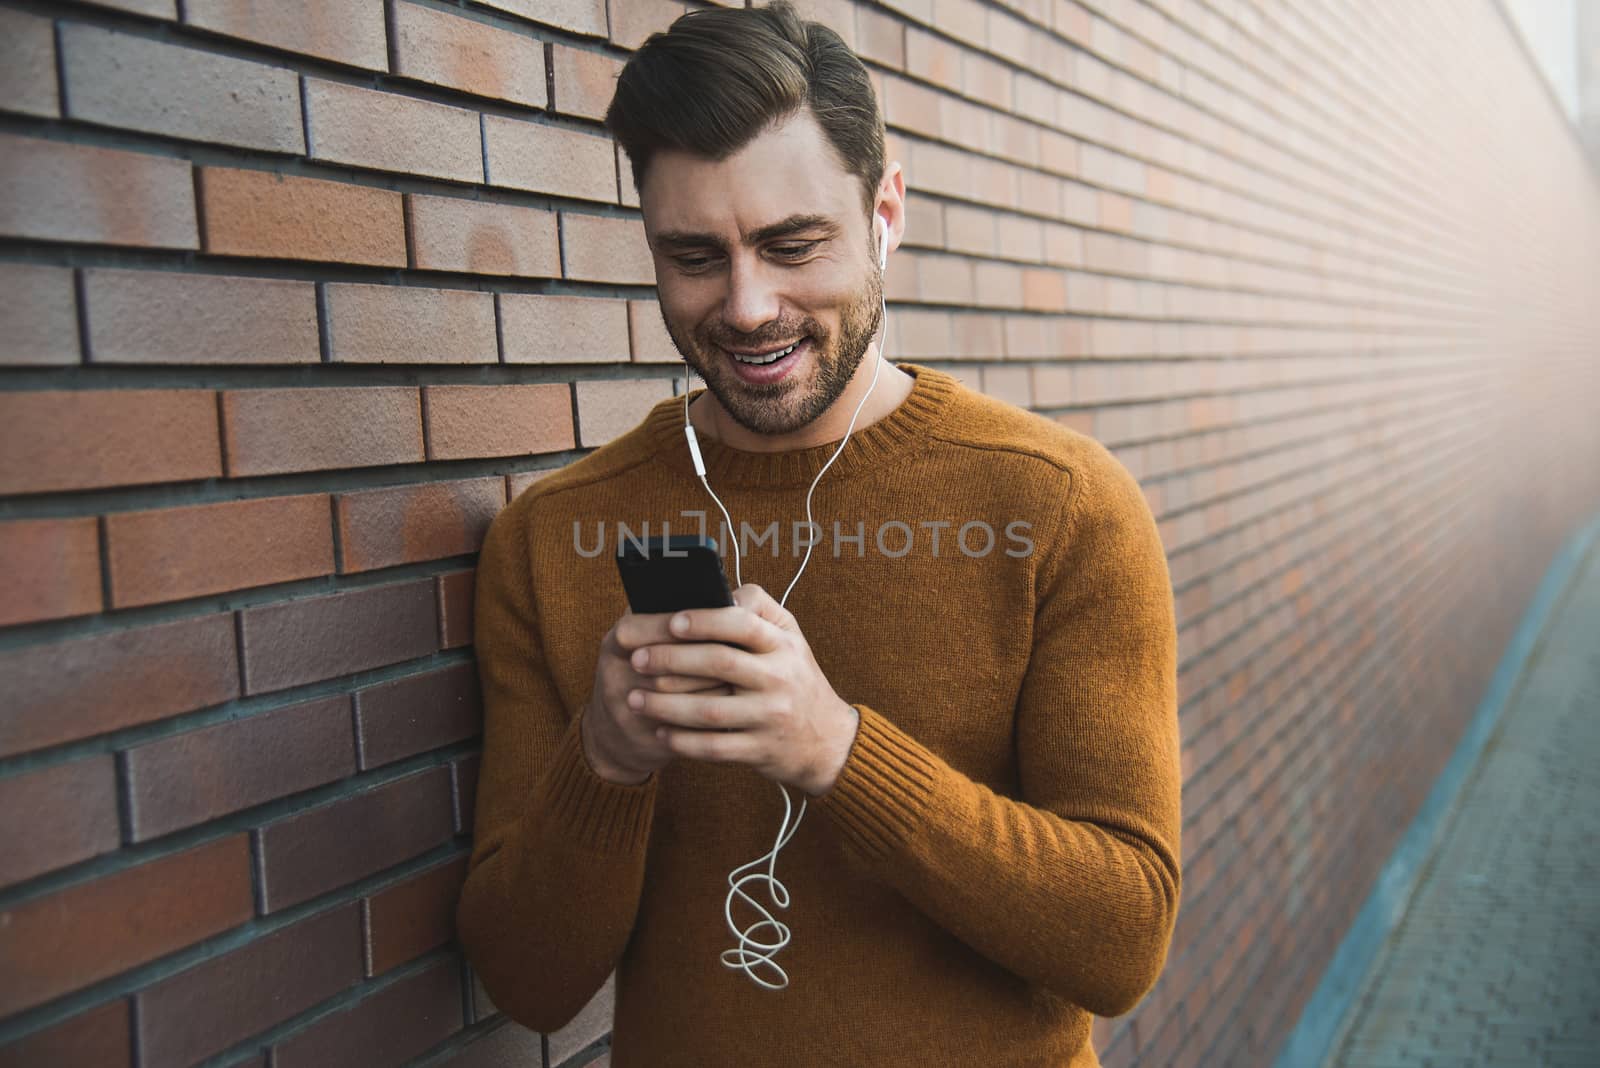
column 671, row 574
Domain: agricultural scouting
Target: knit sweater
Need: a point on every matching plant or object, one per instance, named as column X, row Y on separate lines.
column 998, row 858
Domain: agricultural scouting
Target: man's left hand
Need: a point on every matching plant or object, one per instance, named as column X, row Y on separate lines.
column 782, row 719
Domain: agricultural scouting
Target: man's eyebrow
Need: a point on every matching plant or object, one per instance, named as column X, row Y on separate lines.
column 793, row 224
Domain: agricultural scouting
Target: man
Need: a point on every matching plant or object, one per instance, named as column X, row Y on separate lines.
column 973, row 682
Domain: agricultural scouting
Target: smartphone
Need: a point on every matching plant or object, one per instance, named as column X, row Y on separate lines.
column 672, row 574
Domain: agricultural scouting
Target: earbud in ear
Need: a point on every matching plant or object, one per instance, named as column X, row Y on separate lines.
column 883, row 242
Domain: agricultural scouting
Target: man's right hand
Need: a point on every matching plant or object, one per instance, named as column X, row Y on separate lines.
column 619, row 743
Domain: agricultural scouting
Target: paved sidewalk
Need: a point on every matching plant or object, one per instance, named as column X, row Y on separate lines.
column 1497, row 959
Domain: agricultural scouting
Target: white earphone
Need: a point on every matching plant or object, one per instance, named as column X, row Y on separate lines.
column 752, row 952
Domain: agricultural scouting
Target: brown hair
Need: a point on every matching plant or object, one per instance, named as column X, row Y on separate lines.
column 718, row 78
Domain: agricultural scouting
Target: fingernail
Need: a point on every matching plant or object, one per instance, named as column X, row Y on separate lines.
column 641, row 659
column 635, row 699
column 680, row 624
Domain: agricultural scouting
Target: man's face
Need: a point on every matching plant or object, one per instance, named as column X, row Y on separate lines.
column 765, row 249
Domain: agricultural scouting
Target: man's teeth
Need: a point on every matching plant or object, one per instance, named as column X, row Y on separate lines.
column 769, row 358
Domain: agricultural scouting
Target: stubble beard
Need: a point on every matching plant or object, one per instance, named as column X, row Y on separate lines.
column 787, row 406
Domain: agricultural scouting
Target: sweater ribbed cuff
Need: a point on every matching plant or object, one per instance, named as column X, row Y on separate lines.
column 605, row 816
column 884, row 789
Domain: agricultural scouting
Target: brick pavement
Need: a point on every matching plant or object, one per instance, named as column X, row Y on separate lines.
column 1496, row 961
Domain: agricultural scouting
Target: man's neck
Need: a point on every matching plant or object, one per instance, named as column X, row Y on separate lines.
column 893, row 387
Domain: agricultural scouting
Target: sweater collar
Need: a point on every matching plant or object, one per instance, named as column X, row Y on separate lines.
column 868, row 446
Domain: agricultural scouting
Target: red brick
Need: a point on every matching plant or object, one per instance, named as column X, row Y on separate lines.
column 411, row 715
column 183, row 318
column 549, row 159
column 172, row 553
column 409, row 524
column 312, row 852
column 28, row 76
column 119, row 79
column 464, row 782
column 100, row 1037
column 516, row 483
column 585, row 81
column 56, row 816
column 475, row 57
column 555, row 329
column 49, row 568
column 608, row 409
column 66, row 940
column 604, row 249
column 468, row 422
column 453, row 234
column 272, row 431
column 634, row 20
column 455, row 592
column 39, row 314
column 386, row 131
column 259, row 213
column 410, row 324
column 86, row 439
column 880, row 38
column 316, row 638
column 387, row 1028
column 406, row 920
column 648, row 333
column 189, row 778
column 345, row 31
column 226, row 999
column 57, row 191
column 586, row 17
column 63, row 691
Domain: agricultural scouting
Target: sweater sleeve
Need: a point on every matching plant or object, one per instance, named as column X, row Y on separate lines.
column 558, row 853
column 1073, row 884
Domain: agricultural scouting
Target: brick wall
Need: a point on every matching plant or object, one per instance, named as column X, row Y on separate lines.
column 294, row 296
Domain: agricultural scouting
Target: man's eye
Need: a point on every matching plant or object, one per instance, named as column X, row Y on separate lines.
column 795, row 251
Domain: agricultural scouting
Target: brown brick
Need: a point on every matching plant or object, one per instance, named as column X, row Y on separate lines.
column 592, row 1021
column 89, row 931
column 508, row 1044
column 271, row 431
column 28, row 74
column 603, row 249
column 49, row 569
column 455, row 592
column 406, row 920
column 411, row 715
column 101, row 1037
column 63, row 691
column 225, row 1000
column 71, row 439
column 345, row 31
column 648, row 333
column 57, row 191
column 475, row 57
column 453, row 234
column 466, row 422
column 389, row 132
column 580, row 16
column 312, row 852
column 554, row 329
column 634, row 20
column 172, row 553
column 387, row 1028
column 39, row 314
column 185, row 779
column 259, row 213
column 184, row 318
column 585, row 81
column 409, row 524
column 410, row 324
column 523, row 154
column 464, row 781
column 56, row 816
column 627, row 192
column 160, row 9
column 118, row 79
column 316, row 638
column 609, row 409
column 520, row 481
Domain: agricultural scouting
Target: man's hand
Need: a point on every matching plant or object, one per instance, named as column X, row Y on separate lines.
column 618, row 742
column 780, row 716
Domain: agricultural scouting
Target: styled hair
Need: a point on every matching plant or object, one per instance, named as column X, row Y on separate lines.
column 718, row 78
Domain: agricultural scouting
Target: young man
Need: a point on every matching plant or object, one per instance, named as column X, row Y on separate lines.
column 973, row 681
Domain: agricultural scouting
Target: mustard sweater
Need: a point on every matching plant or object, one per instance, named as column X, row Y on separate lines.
column 999, row 856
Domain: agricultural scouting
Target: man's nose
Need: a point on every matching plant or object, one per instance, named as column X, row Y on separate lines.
column 752, row 299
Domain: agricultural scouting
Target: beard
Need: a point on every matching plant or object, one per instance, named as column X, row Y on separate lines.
column 786, row 406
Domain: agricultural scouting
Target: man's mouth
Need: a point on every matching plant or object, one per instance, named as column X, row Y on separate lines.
column 764, row 358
